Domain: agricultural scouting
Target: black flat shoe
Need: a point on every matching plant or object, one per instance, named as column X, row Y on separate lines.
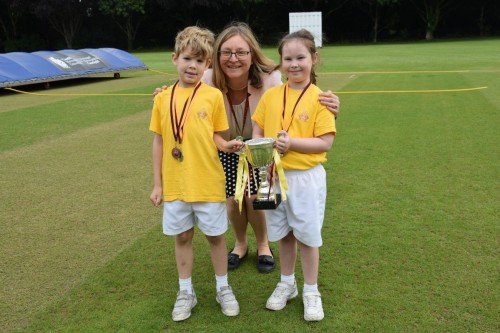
column 234, row 260
column 265, row 263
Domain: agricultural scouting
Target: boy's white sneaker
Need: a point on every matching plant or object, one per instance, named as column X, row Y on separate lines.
column 228, row 302
column 183, row 305
column 281, row 294
column 313, row 308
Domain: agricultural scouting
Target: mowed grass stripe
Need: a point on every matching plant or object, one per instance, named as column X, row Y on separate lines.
column 420, row 220
column 33, row 124
column 137, row 82
column 440, row 56
column 69, row 205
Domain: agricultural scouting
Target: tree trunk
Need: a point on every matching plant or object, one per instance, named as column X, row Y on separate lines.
column 130, row 34
column 5, row 31
column 429, row 35
column 66, row 30
column 482, row 28
column 375, row 24
column 432, row 18
column 130, row 31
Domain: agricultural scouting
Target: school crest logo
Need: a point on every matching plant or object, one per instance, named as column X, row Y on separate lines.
column 303, row 116
column 202, row 114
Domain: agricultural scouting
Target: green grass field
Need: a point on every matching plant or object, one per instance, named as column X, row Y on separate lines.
column 411, row 227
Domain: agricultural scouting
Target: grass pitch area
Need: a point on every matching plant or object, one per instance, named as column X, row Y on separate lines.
column 411, row 228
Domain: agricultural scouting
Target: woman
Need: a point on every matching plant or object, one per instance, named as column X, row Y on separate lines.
column 243, row 73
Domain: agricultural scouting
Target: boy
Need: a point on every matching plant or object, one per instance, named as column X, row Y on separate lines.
column 188, row 176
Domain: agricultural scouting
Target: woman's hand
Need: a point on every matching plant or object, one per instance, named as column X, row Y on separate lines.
column 234, row 145
column 331, row 101
column 159, row 90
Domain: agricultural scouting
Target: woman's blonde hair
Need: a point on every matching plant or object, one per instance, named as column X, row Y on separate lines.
column 260, row 63
column 200, row 40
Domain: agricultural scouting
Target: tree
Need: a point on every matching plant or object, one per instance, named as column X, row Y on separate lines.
column 431, row 12
column 65, row 16
column 182, row 11
column 11, row 11
column 127, row 14
column 332, row 7
column 247, row 6
column 486, row 8
column 374, row 7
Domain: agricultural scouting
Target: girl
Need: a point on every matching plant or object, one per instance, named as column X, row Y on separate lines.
column 305, row 130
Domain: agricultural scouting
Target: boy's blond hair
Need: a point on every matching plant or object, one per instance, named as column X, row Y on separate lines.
column 200, row 40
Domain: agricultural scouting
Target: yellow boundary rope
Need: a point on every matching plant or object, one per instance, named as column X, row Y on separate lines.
column 39, row 94
column 408, row 91
column 395, row 72
column 337, row 92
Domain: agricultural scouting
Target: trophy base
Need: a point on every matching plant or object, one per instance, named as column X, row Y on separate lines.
column 264, row 204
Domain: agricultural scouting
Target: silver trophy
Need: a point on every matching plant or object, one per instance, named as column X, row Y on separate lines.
column 259, row 153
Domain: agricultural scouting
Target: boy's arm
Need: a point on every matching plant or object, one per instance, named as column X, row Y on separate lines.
column 157, row 193
column 227, row 146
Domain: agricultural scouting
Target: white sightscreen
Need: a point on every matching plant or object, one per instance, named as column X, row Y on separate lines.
column 311, row 21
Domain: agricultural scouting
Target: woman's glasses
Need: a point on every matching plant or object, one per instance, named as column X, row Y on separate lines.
column 239, row 54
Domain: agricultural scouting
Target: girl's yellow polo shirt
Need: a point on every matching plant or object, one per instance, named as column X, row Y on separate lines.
column 310, row 119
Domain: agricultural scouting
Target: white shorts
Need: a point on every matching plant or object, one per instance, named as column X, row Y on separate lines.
column 304, row 210
column 180, row 216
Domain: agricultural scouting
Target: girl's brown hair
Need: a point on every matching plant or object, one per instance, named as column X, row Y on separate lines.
column 308, row 39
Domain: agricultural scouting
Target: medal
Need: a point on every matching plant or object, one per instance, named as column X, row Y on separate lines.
column 178, row 122
column 177, row 154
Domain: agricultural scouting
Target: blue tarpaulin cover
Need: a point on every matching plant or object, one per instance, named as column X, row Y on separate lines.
column 20, row 68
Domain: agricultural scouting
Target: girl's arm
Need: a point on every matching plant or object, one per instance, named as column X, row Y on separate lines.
column 157, row 193
column 318, row 144
column 257, row 132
